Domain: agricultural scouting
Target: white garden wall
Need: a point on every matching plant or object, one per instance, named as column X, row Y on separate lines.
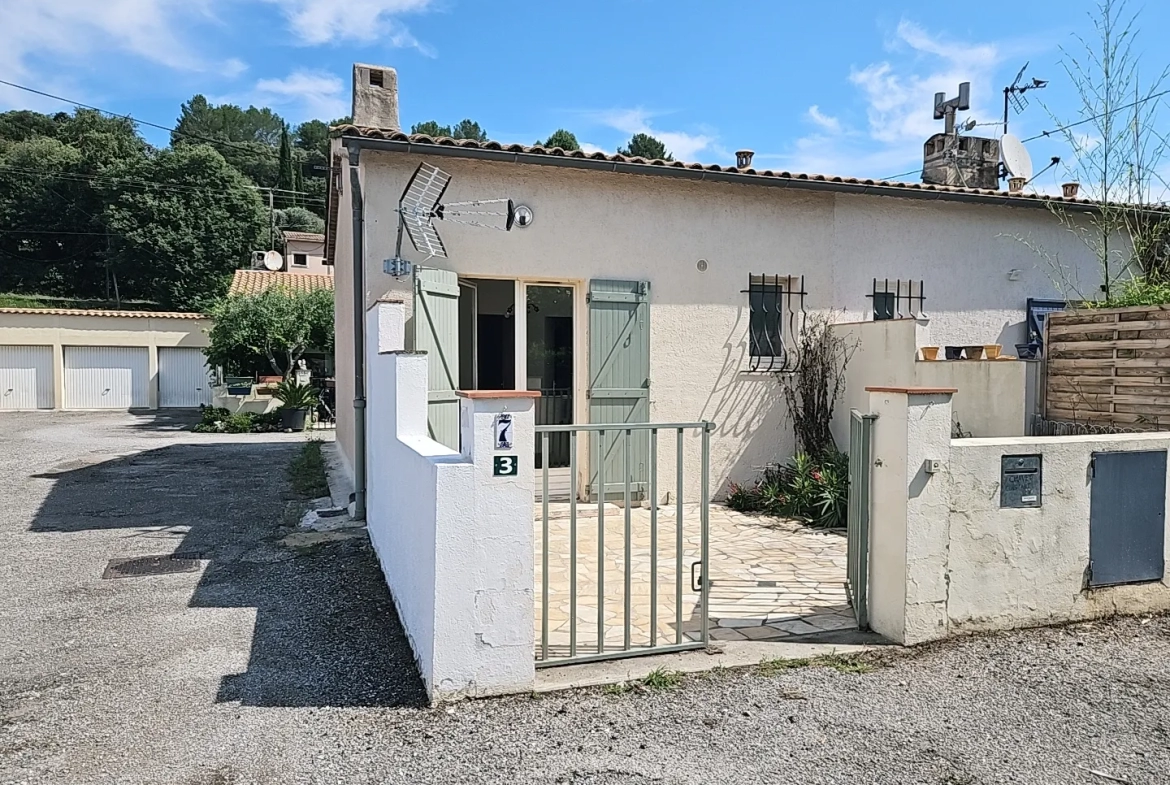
column 946, row 559
column 454, row 542
column 994, row 398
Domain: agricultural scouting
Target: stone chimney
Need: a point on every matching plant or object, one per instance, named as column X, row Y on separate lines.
column 964, row 161
column 375, row 97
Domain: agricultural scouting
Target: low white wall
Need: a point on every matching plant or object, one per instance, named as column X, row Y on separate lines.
column 1019, row 567
column 994, row 398
column 454, row 542
column 946, row 559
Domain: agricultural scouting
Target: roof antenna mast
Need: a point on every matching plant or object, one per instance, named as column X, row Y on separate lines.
column 1013, row 94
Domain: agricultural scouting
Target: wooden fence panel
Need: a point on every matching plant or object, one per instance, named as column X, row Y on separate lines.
column 1109, row 367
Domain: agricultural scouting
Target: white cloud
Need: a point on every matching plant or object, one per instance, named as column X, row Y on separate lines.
column 592, row 148
column 316, row 94
column 898, row 94
column 37, row 38
column 683, row 146
column 827, row 123
column 317, row 22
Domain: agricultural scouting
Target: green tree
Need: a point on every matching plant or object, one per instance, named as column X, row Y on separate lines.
column 21, row 124
column 286, row 179
column 299, row 219
column 646, row 146
column 199, row 120
column 431, row 128
column 181, row 234
column 270, row 330
column 469, row 129
column 246, row 138
column 562, row 139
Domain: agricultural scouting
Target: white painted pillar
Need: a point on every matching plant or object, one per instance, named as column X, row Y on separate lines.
column 484, row 602
column 910, row 516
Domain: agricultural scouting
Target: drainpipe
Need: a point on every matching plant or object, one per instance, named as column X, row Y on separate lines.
column 359, row 340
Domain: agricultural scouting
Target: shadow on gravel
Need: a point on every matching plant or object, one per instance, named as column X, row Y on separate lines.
column 326, row 630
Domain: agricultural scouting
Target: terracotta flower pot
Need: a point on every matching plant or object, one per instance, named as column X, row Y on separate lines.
column 930, row 353
column 991, row 351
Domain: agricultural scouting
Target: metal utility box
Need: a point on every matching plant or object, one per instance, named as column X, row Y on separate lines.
column 1021, row 480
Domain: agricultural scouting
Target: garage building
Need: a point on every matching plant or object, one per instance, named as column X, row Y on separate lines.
column 88, row 359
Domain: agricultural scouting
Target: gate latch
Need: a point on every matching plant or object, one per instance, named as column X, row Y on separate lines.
column 697, row 577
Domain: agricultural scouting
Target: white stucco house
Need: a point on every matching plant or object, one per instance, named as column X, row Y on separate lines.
column 663, row 291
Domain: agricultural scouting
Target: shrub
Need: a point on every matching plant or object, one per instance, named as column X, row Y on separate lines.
column 1139, row 290
column 294, row 395
column 218, row 420
column 815, row 491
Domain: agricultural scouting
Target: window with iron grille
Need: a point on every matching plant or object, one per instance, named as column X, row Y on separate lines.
column 776, row 304
column 897, row 299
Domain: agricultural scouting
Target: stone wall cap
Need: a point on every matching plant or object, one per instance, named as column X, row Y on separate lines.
column 483, row 394
column 915, row 390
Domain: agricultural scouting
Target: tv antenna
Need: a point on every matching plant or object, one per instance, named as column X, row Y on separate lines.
column 421, row 204
column 944, row 109
column 1014, row 94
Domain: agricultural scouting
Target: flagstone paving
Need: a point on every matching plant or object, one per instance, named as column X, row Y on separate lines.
column 770, row 578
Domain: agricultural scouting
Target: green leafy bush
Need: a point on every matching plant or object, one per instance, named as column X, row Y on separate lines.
column 218, row 420
column 1140, row 290
column 815, row 491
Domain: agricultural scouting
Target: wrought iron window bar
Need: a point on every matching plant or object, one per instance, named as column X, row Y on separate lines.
column 897, row 300
column 772, row 300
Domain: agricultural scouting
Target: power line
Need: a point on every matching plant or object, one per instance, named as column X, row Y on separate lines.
column 304, row 196
column 1130, row 105
column 210, row 140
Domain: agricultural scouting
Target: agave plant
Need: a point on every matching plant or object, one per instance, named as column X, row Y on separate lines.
column 294, row 395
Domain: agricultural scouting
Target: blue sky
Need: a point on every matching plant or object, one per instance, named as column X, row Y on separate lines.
column 832, row 87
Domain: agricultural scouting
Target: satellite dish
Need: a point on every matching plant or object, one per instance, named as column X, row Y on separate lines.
column 273, row 261
column 1015, row 157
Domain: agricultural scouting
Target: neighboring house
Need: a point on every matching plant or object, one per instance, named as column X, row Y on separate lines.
column 304, row 252
column 665, row 291
column 58, row 358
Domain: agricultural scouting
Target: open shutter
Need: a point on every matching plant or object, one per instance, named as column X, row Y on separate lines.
column 619, row 381
column 436, row 332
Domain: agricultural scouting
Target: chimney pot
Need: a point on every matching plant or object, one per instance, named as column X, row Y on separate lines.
column 375, row 97
column 743, row 158
column 1016, row 184
column 1070, row 189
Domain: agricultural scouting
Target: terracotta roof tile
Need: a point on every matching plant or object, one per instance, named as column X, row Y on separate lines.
column 471, row 144
column 256, row 281
column 303, row 237
column 98, row 312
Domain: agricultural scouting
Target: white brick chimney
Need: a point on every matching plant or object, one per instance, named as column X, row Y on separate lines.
column 375, row 96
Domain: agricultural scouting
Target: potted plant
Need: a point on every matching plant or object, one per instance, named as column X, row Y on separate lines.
column 297, row 400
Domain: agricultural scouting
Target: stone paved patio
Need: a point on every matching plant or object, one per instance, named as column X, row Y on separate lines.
column 770, row 578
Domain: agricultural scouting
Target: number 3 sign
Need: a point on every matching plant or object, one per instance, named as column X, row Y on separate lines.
column 505, row 466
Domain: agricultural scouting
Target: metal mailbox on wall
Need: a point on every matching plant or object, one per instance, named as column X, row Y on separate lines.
column 1021, row 480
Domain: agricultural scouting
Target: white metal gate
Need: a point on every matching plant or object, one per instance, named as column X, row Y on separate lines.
column 640, row 573
column 26, row 377
column 183, row 378
column 107, row 377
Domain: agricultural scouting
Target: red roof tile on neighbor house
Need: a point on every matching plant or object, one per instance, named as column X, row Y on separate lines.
column 471, row 144
column 256, row 281
column 303, row 237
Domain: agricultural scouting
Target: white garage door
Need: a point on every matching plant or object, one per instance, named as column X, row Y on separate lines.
column 107, row 377
column 183, row 378
column 26, row 377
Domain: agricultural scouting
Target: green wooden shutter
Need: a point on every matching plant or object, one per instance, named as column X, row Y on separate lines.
column 619, row 381
column 436, row 332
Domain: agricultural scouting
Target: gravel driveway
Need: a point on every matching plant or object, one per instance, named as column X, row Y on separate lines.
column 278, row 664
